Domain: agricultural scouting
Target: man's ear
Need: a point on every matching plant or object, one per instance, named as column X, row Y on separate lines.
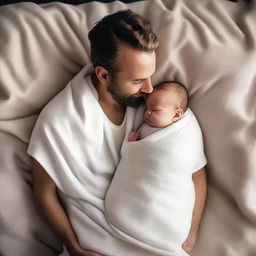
column 102, row 74
column 178, row 114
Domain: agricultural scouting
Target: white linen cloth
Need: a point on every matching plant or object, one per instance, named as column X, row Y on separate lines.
column 73, row 140
column 146, row 130
column 151, row 196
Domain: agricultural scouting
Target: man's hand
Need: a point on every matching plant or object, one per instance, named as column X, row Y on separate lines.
column 199, row 179
column 189, row 244
column 78, row 251
column 87, row 253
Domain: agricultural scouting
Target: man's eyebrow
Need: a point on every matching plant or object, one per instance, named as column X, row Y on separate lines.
column 139, row 79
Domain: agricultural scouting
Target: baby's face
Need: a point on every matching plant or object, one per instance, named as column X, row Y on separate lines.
column 160, row 108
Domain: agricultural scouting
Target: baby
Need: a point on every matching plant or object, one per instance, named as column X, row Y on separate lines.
column 160, row 178
column 165, row 106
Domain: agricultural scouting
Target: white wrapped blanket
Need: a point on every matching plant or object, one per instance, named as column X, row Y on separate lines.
column 151, row 196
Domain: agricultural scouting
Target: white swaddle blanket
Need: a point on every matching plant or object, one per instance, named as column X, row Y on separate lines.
column 151, row 196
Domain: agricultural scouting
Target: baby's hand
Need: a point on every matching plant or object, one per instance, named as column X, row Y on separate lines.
column 189, row 244
column 133, row 136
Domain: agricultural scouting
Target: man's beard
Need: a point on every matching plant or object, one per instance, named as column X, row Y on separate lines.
column 125, row 99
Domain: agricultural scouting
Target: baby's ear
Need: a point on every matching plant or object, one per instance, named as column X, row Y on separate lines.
column 178, row 114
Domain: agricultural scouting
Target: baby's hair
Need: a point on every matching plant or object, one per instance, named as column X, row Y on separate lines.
column 180, row 89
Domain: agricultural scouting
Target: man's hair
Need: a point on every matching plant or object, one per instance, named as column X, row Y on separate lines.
column 180, row 90
column 123, row 26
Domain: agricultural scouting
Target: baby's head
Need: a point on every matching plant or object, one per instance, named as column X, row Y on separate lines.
column 166, row 104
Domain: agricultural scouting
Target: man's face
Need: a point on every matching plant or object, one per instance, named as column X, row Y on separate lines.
column 133, row 80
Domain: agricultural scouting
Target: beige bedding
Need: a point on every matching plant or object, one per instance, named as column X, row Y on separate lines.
column 207, row 45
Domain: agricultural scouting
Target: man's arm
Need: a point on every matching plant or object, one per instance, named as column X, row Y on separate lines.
column 47, row 202
column 200, row 184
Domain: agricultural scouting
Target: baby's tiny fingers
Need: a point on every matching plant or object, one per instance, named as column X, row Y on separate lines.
column 133, row 136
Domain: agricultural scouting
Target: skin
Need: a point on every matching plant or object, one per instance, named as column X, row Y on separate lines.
column 161, row 110
column 136, row 80
column 133, row 79
column 200, row 184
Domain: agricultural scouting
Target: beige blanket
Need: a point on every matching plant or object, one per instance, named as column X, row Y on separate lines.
column 207, row 45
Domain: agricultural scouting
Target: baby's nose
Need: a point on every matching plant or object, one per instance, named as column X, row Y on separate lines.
column 148, row 112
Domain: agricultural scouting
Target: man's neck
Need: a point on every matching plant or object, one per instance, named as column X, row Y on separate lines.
column 112, row 109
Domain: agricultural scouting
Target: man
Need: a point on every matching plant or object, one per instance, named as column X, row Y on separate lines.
column 123, row 56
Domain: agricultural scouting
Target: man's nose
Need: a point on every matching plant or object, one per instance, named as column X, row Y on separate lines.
column 147, row 86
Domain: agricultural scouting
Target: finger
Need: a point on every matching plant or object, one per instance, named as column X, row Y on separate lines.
column 132, row 136
column 90, row 253
column 185, row 246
